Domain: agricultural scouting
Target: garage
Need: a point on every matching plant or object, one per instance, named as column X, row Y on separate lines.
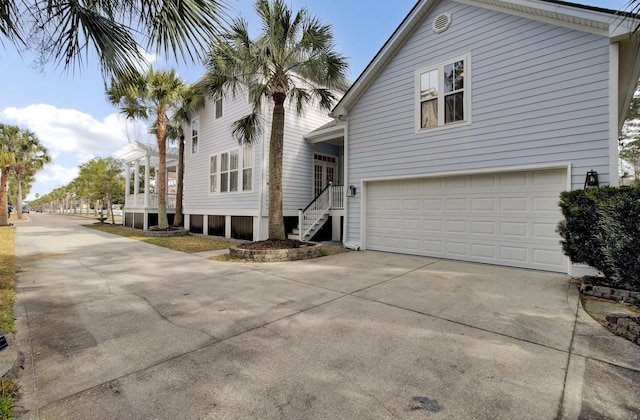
column 506, row 218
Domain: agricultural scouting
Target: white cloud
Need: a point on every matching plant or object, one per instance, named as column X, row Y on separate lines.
column 63, row 130
column 72, row 137
column 57, row 176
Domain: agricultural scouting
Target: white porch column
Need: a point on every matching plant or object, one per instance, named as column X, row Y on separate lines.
column 147, row 173
column 127, row 182
column 227, row 226
column 136, row 182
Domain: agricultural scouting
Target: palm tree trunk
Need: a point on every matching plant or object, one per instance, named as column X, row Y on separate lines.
column 4, row 213
column 276, row 221
column 19, row 197
column 177, row 220
column 163, row 221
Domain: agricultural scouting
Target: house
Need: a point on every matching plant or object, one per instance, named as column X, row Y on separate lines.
column 226, row 191
column 463, row 130
column 141, row 163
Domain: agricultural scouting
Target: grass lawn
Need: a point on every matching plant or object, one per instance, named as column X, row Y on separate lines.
column 8, row 267
column 188, row 244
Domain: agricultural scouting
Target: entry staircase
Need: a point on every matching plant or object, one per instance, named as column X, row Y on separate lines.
column 316, row 214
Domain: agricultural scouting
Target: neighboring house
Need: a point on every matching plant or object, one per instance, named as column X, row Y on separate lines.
column 461, row 133
column 140, row 161
column 226, row 191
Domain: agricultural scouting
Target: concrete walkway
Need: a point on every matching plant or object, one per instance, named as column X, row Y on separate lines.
column 115, row 328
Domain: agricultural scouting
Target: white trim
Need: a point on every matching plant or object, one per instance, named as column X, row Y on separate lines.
column 363, row 188
column 466, row 58
column 576, row 18
column 240, row 169
column 543, row 166
column 551, row 13
column 195, row 120
column 345, row 169
column 222, row 212
column 613, row 115
column 329, row 133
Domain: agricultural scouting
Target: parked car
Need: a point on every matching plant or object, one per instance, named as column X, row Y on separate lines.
column 38, row 210
column 25, row 210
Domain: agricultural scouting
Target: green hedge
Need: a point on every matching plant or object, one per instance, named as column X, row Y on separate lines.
column 601, row 228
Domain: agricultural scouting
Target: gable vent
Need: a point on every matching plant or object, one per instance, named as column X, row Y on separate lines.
column 442, row 22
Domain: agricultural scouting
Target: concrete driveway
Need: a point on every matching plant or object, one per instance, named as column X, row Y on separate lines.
column 115, row 328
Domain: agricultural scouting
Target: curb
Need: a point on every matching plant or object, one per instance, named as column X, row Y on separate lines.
column 10, row 358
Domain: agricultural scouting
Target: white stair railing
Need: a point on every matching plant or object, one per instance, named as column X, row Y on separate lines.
column 309, row 218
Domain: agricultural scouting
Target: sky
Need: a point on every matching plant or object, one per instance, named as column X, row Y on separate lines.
column 68, row 110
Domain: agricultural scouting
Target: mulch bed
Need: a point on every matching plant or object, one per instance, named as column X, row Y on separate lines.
column 276, row 244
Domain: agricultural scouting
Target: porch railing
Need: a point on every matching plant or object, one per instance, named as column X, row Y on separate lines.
column 137, row 201
column 329, row 198
column 337, row 197
column 314, row 212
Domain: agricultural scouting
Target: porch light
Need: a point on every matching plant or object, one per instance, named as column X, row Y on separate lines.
column 591, row 180
column 352, row 191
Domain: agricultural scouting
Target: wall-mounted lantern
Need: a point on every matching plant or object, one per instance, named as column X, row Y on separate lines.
column 591, row 180
column 351, row 192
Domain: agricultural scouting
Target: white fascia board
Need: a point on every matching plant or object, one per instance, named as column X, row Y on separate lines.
column 328, row 133
column 383, row 56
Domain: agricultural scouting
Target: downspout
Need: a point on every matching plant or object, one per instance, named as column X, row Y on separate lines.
column 613, row 114
column 345, row 198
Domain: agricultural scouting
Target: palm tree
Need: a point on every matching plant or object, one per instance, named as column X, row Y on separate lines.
column 192, row 100
column 151, row 95
column 292, row 59
column 118, row 31
column 8, row 136
column 31, row 156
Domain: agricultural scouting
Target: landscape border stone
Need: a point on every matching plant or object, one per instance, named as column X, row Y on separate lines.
column 622, row 324
column 276, row 255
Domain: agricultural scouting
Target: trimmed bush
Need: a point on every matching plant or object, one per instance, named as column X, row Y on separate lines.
column 601, row 228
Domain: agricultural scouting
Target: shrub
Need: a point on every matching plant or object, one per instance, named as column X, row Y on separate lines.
column 601, row 229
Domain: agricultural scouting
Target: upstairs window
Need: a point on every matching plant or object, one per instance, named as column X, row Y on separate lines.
column 443, row 94
column 194, row 136
column 219, row 107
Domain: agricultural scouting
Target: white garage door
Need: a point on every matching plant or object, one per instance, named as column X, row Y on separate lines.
column 504, row 218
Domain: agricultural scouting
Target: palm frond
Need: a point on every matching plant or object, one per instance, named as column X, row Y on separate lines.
column 247, row 129
column 185, row 27
column 10, row 22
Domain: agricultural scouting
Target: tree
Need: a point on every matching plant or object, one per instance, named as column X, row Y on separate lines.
column 630, row 152
column 9, row 135
column 118, row 31
column 153, row 94
column 292, row 59
column 192, row 100
column 31, row 156
column 101, row 179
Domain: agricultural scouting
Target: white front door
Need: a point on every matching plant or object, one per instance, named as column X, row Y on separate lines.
column 324, row 172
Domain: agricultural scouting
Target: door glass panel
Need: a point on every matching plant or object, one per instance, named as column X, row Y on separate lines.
column 317, row 180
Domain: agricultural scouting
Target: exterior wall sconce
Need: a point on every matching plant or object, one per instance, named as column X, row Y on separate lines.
column 591, row 180
column 352, row 191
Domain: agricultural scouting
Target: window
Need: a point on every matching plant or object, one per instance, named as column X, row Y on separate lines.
column 231, row 171
column 194, row 136
column 219, row 107
column 247, row 168
column 213, row 174
column 443, row 94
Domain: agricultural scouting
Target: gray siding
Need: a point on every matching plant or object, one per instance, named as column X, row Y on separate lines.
column 215, row 137
column 539, row 95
